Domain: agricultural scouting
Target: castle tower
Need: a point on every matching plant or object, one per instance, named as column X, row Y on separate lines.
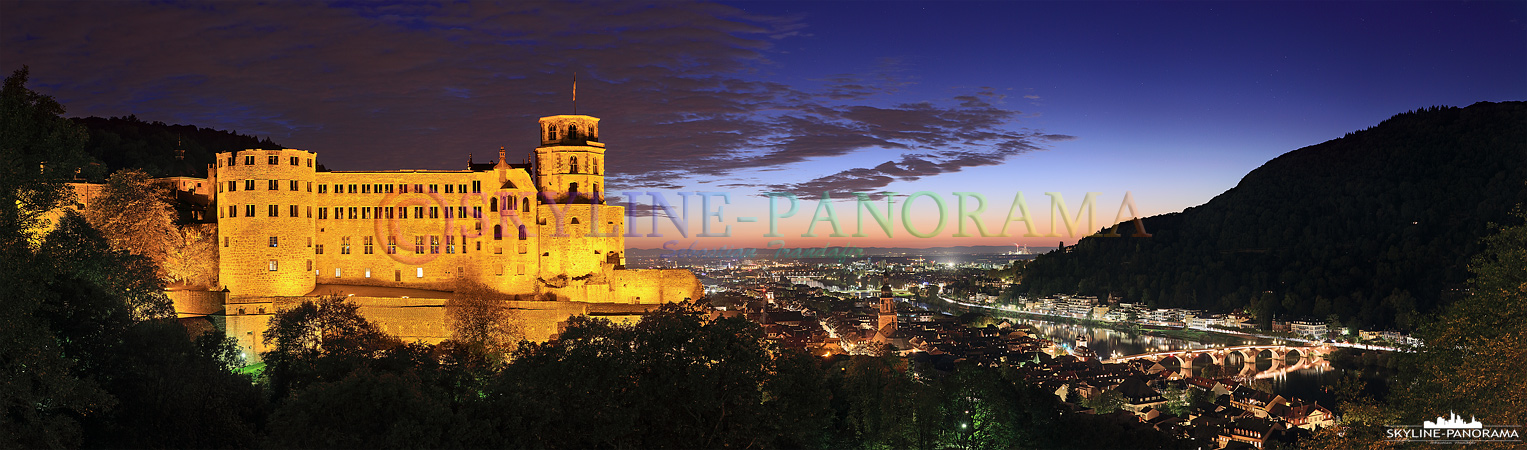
column 265, row 222
column 570, row 160
column 580, row 237
column 887, row 310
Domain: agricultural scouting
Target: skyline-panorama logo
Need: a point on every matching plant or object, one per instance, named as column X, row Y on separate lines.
column 1453, row 430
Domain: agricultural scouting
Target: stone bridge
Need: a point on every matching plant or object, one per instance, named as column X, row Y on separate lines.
column 1308, row 356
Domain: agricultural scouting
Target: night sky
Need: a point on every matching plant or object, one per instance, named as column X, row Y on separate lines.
column 1173, row 101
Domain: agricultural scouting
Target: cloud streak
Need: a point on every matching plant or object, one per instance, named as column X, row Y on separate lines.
column 680, row 87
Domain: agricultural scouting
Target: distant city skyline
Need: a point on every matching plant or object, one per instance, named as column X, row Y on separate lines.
column 1172, row 102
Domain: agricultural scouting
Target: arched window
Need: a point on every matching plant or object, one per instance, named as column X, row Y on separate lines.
column 572, row 193
column 498, row 232
column 594, row 194
column 522, row 232
column 525, row 205
column 575, row 164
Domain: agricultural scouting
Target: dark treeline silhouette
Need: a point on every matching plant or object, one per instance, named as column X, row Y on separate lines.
column 1373, row 229
column 157, row 148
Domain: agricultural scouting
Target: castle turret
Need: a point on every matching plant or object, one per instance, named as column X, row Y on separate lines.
column 265, row 222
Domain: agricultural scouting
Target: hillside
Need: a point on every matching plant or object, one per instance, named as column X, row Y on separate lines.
column 127, row 142
column 1373, row 227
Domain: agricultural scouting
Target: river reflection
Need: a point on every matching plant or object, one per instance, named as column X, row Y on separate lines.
column 1308, row 383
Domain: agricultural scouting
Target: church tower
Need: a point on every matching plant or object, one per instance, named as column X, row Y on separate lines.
column 887, row 310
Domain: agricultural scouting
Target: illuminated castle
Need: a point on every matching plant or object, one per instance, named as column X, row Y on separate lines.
column 539, row 230
column 286, row 226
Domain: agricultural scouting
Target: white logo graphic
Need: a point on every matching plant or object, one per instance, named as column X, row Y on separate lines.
column 1452, row 422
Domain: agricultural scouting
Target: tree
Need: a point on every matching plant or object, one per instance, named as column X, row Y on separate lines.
column 39, row 151
column 41, row 396
column 1473, row 357
column 193, row 256
column 134, row 216
column 320, row 340
column 482, row 318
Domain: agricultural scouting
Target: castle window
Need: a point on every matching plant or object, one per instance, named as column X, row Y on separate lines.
column 449, row 189
column 450, row 244
column 249, row 160
column 498, row 232
column 418, row 272
column 310, row 162
column 352, row 213
column 233, row 210
column 397, row 275
column 296, row 160
column 366, row 241
column 402, row 189
column 310, row 186
column 310, row 212
column 323, row 213
column 476, row 212
column 418, row 245
column 368, row 273
column 323, row 189
column 434, row 212
column 418, row 188
column 461, row 188
column 249, row 210
column 339, row 188
column 294, row 211
column 365, row 213
column 295, row 185
column 310, row 267
column 448, row 211
column 272, row 185
column 219, row 163
column 392, row 245
column 402, row 212
column 365, row 189
column 479, row 245
column 551, row 133
column 389, row 213
column 352, row 189
column 477, row 187
column 272, row 265
column 336, row 272
column 493, row 205
column 461, row 212
column 275, row 211
column 344, row 246
column 233, row 186
column 318, row 249
column 434, row 244
column 227, row 240
column 434, row 188
column 249, row 185
column 241, row 310
column 574, row 221
column 389, row 189
column 574, row 164
column 525, row 205
column 418, row 212
column 272, row 160
column 522, row 232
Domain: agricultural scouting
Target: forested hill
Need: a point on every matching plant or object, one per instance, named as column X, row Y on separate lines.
column 1373, row 227
column 127, row 142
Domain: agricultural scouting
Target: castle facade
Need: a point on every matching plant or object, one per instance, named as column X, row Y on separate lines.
column 540, row 228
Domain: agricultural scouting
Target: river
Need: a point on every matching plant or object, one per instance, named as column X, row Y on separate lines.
column 1308, row 383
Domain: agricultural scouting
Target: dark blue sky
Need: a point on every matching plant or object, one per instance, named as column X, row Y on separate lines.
column 1172, row 101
